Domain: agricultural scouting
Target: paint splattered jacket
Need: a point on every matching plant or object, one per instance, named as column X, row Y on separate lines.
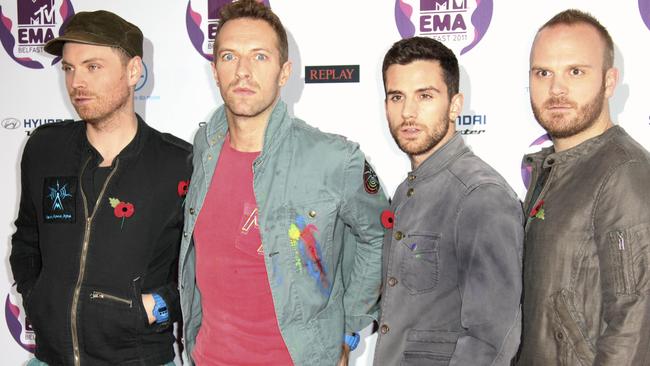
column 452, row 265
column 304, row 181
column 82, row 264
column 587, row 258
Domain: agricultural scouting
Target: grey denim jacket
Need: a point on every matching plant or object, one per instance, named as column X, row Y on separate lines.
column 301, row 177
column 587, row 262
column 452, row 265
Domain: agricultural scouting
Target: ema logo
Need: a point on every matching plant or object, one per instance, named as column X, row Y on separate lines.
column 202, row 33
column 38, row 21
column 459, row 24
column 644, row 8
column 19, row 326
column 527, row 170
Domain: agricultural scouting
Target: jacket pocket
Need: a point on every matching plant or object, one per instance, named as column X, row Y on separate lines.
column 620, row 257
column 574, row 346
column 422, row 358
column 420, row 267
column 109, row 322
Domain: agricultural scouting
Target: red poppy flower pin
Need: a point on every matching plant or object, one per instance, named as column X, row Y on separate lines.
column 122, row 210
column 538, row 211
column 183, row 186
column 387, row 219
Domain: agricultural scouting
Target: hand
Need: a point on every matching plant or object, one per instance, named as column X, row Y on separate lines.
column 149, row 303
column 345, row 356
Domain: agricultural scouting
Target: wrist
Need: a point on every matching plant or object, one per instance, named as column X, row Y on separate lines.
column 160, row 311
column 352, row 340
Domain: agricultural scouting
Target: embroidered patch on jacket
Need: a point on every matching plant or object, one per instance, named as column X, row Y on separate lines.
column 370, row 180
column 59, row 199
column 307, row 252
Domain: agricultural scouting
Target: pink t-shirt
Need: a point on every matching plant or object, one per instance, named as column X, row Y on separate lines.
column 239, row 325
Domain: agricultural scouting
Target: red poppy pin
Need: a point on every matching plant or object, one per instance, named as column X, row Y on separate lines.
column 122, row 210
column 387, row 219
column 538, row 211
column 183, row 186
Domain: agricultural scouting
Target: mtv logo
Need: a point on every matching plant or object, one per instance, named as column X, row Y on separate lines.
column 214, row 6
column 438, row 5
column 36, row 12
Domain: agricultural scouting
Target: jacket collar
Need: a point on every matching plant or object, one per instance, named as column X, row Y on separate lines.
column 276, row 128
column 134, row 148
column 548, row 157
column 440, row 159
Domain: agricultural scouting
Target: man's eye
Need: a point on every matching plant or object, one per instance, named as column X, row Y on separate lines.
column 93, row 67
column 543, row 73
column 395, row 98
column 66, row 68
column 426, row 96
column 576, row 72
column 227, row 57
column 261, row 57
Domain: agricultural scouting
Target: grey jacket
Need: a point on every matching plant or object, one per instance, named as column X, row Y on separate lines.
column 303, row 177
column 587, row 262
column 452, row 265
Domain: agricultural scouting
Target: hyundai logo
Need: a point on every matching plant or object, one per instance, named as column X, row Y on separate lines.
column 11, row 123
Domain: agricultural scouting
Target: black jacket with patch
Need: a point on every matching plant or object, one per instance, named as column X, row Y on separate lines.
column 82, row 266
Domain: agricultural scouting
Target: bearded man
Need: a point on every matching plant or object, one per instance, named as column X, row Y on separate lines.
column 452, row 254
column 586, row 277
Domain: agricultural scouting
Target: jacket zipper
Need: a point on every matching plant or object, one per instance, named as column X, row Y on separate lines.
column 82, row 259
column 621, row 257
column 104, row 296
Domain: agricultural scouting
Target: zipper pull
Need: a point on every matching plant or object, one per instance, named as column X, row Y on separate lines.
column 621, row 241
column 96, row 295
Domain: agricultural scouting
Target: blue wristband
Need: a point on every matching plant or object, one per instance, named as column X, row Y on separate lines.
column 352, row 340
column 160, row 311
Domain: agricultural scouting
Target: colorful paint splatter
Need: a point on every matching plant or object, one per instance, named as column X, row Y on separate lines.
column 307, row 252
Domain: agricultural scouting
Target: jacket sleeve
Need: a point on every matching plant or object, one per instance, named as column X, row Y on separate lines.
column 489, row 245
column 622, row 234
column 25, row 258
column 361, row 210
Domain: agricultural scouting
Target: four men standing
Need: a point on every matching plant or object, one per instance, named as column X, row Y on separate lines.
column 281, row 252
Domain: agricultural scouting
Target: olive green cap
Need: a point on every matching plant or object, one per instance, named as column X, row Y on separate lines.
column 101, row 28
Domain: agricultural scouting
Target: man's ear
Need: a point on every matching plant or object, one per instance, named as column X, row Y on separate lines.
column 456, row 106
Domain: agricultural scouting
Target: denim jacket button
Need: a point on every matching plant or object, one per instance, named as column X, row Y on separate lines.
column 398, row 235
column 312, row 214
column 384, row 329
column 411, row 177
column 191, row 211
column 410, row 192
column 185, row 234
column 559, row 336
column 392, row 281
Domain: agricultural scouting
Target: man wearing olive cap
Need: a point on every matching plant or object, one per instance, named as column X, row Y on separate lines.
column 96, row 242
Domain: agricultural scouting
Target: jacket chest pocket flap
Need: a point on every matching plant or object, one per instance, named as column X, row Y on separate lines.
column 420, row 263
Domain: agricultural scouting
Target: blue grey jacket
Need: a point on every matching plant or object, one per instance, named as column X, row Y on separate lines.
column 452, row 265
column 304, row 180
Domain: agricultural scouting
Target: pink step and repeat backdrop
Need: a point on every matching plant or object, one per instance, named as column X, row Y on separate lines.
column 176, row 94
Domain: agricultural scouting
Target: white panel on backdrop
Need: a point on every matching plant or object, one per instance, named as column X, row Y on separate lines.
column 178, row 92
